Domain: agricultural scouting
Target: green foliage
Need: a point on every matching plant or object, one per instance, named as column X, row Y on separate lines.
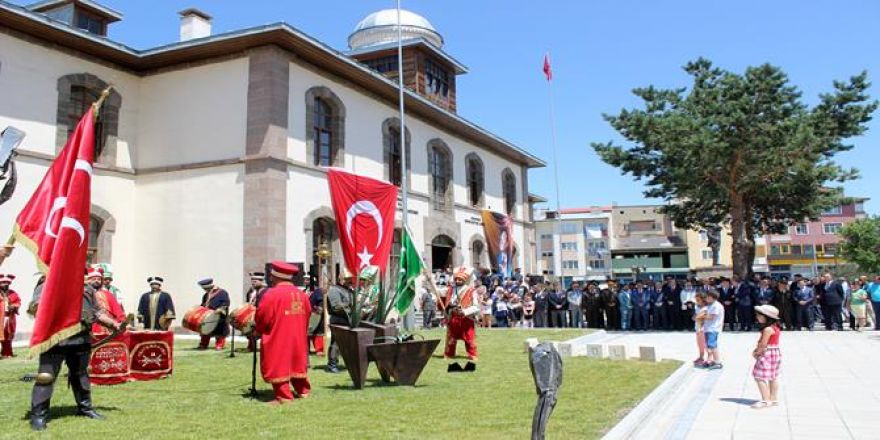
column 741, row 149
column 861, row 244
column 204, row 399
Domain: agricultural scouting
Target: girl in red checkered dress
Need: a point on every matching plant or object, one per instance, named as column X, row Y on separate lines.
column 768, row 358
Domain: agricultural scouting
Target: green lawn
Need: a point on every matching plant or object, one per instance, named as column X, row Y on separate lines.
column 204, row 398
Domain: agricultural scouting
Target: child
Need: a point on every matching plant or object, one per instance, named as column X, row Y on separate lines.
column 699, row 315
column 528, row 311
column 713, row 322
column 768, row 358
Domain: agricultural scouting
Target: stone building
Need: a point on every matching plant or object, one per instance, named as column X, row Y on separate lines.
column 213, row 150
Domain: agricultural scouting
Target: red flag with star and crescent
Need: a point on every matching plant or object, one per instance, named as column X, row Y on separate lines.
column 53, row 225
column 365, row 212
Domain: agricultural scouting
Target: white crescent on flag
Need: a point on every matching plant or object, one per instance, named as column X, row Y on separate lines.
column 363, row 207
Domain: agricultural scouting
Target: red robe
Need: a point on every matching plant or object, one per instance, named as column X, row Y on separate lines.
column 8, row 319
column 107, row 302
column 283, row 321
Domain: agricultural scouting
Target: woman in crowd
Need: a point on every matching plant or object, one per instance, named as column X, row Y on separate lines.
column 528, row 308
column 501, row 309
column 768, row 358
column 858, row 304
column 516, row 309
column 485, row 311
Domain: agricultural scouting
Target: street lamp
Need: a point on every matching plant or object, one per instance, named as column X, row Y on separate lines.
column 636, row 270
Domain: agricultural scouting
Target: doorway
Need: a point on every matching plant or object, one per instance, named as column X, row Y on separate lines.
column 441, row 252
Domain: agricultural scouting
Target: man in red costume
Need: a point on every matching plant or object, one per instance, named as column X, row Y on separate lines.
column 462, row 309
column 282, row 319
column 104, row 300
column 10, row 302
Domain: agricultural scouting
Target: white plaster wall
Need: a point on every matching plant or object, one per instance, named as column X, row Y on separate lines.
column 189, row 225
column 29, row 94
column 193, row 115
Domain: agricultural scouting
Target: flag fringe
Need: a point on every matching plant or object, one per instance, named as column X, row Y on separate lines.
column 59, row 336
column 30, row 245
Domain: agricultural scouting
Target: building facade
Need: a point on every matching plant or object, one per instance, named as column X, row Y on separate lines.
column 811, row 248
column 646, row 245
column 575, row 244
column 213, row 150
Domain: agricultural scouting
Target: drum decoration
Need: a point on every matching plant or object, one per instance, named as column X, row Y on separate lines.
column 201, row 320
column 243, row 319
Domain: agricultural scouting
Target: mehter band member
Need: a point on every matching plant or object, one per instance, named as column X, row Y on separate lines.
column 74, row 351
column 339, row 301
column 282, row 319
column 10, row 302
column 216, row 299
column 156, row 309
column 462, row 311
column 252, row 297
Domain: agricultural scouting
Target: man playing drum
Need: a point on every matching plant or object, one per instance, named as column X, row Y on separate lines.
column 252, row 296
column 215, row 299
column 282, row 320
column 156, row 309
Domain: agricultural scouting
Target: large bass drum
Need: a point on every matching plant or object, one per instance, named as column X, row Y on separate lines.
column 243, row 319
column 201, row 320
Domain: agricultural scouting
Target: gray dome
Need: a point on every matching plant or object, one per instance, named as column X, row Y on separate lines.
column 381, row 27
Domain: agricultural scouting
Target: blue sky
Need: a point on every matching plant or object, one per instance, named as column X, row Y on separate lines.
column 601, row 49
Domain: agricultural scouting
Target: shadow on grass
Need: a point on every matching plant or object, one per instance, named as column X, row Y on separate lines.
column 260, row 396
column 62, row 411
column 738, row 400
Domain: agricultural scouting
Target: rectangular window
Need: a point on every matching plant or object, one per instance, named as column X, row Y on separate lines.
column 830, row 250
column 774, row 250
column 597, row 264
column 707, row 254
column 570, row 264
column 785, row 249
column 831, row 228
column 569, row 246
column 596, row 230
column 546, row 236
column 89, row 23
column 642, row 226
column 395, row 173
column 796, row 249
column 835, row 210
column 569, row 228
column 384, row 64
column 437, row 79
column 860, row 207
column 802, row 229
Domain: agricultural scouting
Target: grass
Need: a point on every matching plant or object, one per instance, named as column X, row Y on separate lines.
column 205, row 398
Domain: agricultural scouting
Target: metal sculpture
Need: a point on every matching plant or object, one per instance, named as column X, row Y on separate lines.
column 546, row 365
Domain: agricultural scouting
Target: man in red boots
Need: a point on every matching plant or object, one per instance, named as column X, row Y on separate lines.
column 282, row 320
column 10, row 302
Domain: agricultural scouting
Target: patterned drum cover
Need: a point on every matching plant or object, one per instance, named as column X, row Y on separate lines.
column 201, row 320
column 109, row 364
column 151, row 354
column 243, row 319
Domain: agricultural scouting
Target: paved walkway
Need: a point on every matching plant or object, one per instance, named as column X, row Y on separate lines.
column 830, row 389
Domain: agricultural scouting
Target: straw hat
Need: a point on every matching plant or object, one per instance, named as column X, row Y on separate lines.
column 768, row 311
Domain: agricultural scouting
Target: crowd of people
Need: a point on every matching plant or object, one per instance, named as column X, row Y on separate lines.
column 518, row 301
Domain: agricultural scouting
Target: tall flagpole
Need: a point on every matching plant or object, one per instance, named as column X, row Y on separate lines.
column 558, row 235
column 404, row 184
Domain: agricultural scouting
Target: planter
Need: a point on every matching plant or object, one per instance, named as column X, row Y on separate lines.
column 383, row 331
column 353, row 344
column 404, row 361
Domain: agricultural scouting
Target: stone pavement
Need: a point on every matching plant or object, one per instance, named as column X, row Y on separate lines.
column 829, row 389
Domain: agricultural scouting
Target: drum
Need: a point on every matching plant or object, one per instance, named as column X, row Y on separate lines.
column 201, row 320
column 243, row 319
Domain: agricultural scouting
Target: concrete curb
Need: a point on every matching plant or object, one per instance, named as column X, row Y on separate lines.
column 630, row 424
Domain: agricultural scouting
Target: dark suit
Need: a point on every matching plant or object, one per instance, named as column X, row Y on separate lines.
column 832, row 305
column 558, row 306
column 728, row 300
column 745, row 303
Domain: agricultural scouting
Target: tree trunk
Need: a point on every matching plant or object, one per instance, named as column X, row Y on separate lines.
column 743, row 244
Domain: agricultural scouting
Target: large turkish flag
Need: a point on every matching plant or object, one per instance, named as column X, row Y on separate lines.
column 364, row 210
column 54, row 226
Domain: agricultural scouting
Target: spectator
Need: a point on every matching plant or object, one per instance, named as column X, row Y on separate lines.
column 612, row 309
column 858, row 305
column 641, row 300
column 782, row 301
column 528, row 311
column 624, row 299
column 574, row 297
column 516, row 310
column 501, row 310
column 429, row 307
column 658, row 307
column 728, row 300
column 712, row 325
column 832, row 303
column 672, row 296
column 803, row 304
column 767, row 356
column 873, row 290
column 765, row 294
column 745, row 301
column 688, row 302
column 593, row 300
column 558, row 305
column 485, row 311
column 542, row 306
column 699, row 316
column 517, row 275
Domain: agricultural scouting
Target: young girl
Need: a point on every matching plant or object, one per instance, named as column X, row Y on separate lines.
column 699, row 315
column 486, row 311
column 768, row 358
column 528, row 311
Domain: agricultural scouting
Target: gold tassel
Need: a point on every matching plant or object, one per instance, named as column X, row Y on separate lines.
column 59, row 336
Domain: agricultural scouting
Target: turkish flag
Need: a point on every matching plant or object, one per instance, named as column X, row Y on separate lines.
column 548, row 72
column 364, row 210
column 53, row 225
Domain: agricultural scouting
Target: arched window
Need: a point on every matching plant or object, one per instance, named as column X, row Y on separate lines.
column 325, row 128
column 76, row 93
column 324, row 232
column 393, row 152
column 95, row 225
column 475, row 179
column 322, row 125
column 440, row 169
column 477, row 254
column 508, row 184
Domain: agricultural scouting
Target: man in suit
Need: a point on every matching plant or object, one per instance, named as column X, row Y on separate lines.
column 745, row 301
column 558, row 306
column 832, row 303
column 672, row 295
column 728, row 300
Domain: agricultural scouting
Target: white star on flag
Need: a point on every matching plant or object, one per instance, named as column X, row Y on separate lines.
column 366, row 257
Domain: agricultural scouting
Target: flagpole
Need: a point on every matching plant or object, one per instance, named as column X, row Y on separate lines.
column 410, row 314
column 558, row 235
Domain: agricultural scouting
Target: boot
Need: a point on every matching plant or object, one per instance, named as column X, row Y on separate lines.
column 470, row 367
column 454, row 367
column 220, row 343
column 39, row 416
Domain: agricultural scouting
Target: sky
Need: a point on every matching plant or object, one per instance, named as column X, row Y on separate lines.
column 600, row 51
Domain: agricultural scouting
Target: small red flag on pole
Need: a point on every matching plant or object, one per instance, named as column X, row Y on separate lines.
column 548, row 72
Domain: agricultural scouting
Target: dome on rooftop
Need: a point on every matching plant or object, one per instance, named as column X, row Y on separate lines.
column 381, row 27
